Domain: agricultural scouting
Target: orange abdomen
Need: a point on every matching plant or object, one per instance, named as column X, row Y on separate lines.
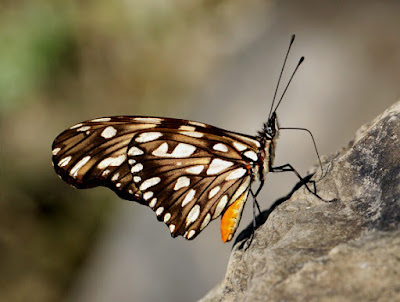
column 231, row 217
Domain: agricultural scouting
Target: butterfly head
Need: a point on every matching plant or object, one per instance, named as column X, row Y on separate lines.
column 271, row 127
column 270, row 130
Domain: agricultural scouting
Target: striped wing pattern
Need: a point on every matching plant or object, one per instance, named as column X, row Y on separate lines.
column 188, row 173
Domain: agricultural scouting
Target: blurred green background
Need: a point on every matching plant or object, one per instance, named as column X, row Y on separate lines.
column 62, row 62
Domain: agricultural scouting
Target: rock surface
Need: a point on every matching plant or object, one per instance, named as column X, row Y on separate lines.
column 347, row 249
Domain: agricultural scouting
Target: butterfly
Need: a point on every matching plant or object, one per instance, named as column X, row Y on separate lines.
column 189, row 173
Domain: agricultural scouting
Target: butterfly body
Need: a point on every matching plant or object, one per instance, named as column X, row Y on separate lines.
column 187, row 172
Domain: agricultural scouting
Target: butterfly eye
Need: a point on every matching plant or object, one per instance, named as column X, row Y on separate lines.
column 269, row 129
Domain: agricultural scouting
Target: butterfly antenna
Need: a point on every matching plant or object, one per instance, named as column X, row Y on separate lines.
column 280, row 75
column 290, row 80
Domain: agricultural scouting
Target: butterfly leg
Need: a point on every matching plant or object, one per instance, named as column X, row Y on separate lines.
column 255, row 205
column 255, row 202
column 289, row 168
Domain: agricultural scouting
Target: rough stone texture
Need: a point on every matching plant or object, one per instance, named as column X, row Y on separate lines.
column 347, row 249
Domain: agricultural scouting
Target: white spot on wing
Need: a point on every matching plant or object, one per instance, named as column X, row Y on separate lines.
column 153, row 202
column 102, row 119
column 217, row 165
column 76, row 126
column 220, row 147
column 167, row 217
column 74, row 171
column 198, row 124
column 83, row 128
column 235, row 174
column 109, row 132
column 182, row 182
column 251, row 154
column 149, row 183
column 182, row 150
column 172, row 228
column 159, row 211
column 131, row 161
column 195, row 170
column 118, row 185
column 193, row 215
column 64, row 161
column 112, row 161
column 137, row 178
column 148, row 195
column 221, row 205
column 239, row 146
column 148, row 120
column 136, row 168
column 205, row 222
column 161, row 151
column 213, row 192
column 55, row 151
column 191, row 234
column 133, row 151
column 115, row 176
column 189, row 197
column 148, row 137
column 187, row 128
column 192, row 133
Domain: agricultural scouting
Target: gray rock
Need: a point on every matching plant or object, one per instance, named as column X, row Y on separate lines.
column 347, row 249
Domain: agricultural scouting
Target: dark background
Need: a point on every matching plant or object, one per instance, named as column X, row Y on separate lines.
column 62, row 62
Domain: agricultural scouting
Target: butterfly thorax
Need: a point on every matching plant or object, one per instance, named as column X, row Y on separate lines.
column 267, row 138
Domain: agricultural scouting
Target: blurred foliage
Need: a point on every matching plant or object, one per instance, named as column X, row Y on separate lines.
column 134, row 43
column 35, row 39
column 43, row 239
column 63, row 61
